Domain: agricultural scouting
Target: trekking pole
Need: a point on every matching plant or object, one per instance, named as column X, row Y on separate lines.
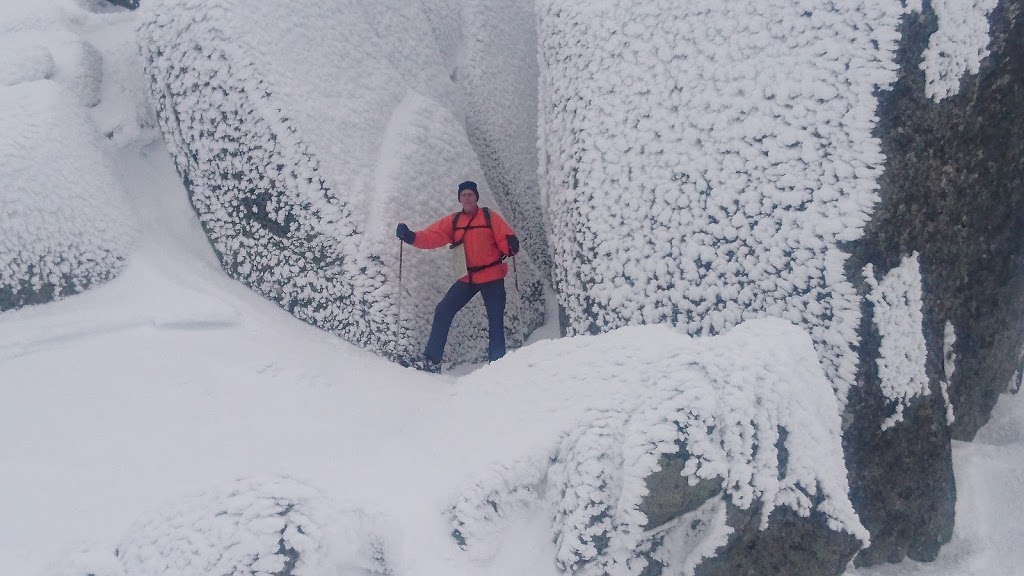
column 398, row 319
column 519, row 304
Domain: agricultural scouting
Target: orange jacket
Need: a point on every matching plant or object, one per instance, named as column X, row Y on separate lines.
column 483, row 245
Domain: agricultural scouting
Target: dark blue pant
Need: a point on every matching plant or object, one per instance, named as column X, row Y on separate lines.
column 457, row 297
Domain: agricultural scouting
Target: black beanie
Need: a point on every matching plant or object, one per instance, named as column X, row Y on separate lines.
column 468, row 185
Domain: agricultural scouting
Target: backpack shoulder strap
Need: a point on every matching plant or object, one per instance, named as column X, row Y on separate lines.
column 487, row 216
column 455, row 221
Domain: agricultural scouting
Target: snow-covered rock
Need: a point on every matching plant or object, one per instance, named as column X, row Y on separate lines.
column 306, row 131
column 256, row 527
column 746, row 419
column 70, row 102
column 950, row 192
column 707, row 163
column 64, row 220
column 701, row 163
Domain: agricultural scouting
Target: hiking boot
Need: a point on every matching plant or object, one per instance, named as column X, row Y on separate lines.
column 423, row 365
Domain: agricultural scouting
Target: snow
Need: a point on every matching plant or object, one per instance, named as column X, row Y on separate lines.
column 701, row 163
column 899, row 320
column 336, row 138
column 136, row 410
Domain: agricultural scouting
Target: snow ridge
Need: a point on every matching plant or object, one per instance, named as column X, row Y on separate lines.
column 701, row 162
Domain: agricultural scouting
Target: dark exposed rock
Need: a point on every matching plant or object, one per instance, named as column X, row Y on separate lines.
column 790, row 544
column 952, row 191
column 129, row 4
column 671, row 495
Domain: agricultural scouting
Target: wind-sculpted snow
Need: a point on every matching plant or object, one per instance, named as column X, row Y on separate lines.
column 264, row 527
column 304, row 132
column 753, row 411
column 703, row 161
column 64, row 220
column 898, row 317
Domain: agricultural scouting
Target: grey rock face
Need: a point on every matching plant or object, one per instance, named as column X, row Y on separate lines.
column 789, row 545
column 952, row 191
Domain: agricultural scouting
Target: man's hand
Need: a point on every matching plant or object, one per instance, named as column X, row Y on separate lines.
column 404, row 234
column 513, row 244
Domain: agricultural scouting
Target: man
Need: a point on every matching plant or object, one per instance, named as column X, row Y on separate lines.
column 486, row 240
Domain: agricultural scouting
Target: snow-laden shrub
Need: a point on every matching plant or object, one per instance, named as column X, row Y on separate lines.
column 701, row 162
column 305, row 132
column 64, row 220
column 899, row 320
column 753, row 411
column 268, row 527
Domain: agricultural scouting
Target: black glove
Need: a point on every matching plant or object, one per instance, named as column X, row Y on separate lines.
column 513, row 244
column 404, row 234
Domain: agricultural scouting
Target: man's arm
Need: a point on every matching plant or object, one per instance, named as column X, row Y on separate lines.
column 504, row 235
column 436, row 235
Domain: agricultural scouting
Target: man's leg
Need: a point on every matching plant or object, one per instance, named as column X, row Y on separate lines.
column 458, row 295
column 494, row 302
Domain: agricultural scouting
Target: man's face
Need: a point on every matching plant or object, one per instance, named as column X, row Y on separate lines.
column 468, row 199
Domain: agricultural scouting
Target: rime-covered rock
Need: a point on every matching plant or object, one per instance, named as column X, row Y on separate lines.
column 304, row 132
column 952, row 131
column 716, row 453
column 256, row 527
column 855, row 169
column 65, row 223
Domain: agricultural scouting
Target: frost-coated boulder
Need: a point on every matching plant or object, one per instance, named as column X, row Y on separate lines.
column 719, row 456
column 256, row 527
column 64, row 220
column 855, row 169
column 305, row 131
column 69, row 103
